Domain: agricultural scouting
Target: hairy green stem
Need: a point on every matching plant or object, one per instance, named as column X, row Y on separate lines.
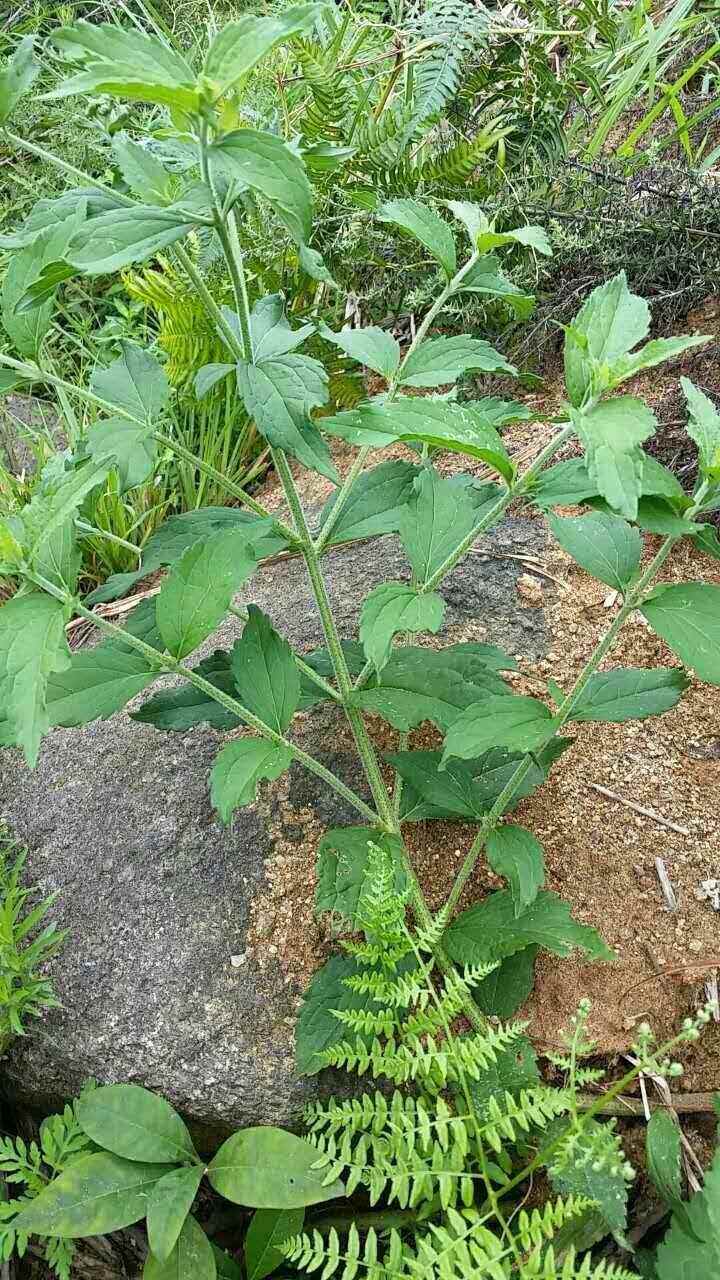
column 165, row 663
column 364, row 745
column 115, row 538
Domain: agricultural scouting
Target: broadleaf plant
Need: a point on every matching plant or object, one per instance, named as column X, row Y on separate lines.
column 492, row 745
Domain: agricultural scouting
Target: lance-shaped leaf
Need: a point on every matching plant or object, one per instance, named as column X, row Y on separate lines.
column 604, row 545
column 484, row 237
column 415, row 686
column 375, row 504
column 177, row 533
column 423, row 224
column 116, row 240
column 142, row 171
column 239, row 46
column 95, row 1194
column 372, row 347
column 132, row 448
column 178, row 710
column 266, row 677
column 279, row 394
column 268, row 1168
column 664, row 1155
column 32, row 647
column 135, row 382
column 134, row 1123
column 96, row 683
column 568, row 483
column 515, row 854
column 238, row 769
column 262, row 162
column 271, row 332
column 169, row 1204
column 512, row 721
column 629, row 694
column 196, row 593
column 488, row 279
column 27, row 329
column 192, row 1257
column 342, row 868
column 687, row 616
column 17, row 76
column 268, row 1229
column 609, row 324
column 393, row 607
column 439, row 423
column 704, row 428
column 438, row 515
column 612, row 433
column 441, row 360
column 127, row 64
column 490, row 930
column 653, row 353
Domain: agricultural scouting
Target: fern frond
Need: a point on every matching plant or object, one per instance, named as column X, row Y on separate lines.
column 536, row 1228
column 532, row 1108
column 185, row 332
column 324, row 114
column 311, row 1252
column 436, row 1065
column 462, row 1248
column 546, row 1266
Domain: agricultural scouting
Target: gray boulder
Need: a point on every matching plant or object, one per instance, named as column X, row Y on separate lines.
column 156, row 980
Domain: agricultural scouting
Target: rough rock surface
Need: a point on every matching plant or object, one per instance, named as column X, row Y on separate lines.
column 156, row 894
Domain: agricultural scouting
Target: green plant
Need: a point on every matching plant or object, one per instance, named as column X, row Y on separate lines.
column 25, row 946
column 120, row 1155
column 495, row 745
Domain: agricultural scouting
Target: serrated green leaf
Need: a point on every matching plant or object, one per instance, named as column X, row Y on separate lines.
column 568, row 483
column 484, row 237
column 515, row 854
column 177, row 533
column 126, row 63
column 372, row 347
column 577, row 1174
column 417, row 685
column 142, row 172
column 95, row 684
column 266, row 677
column 691, row 1247
column 178, row 710
column 268, row 1168
column 438, row 516
column 502, row 993
column 394, row 607
column 490, row 930
column 135, row 1124
column 132, row 447
column 27, row 330
column 169, row 1204
column 266, row 164
column 703, row 427
column 32, row 647
column 629, row 694
column 270, row 329
column 375, row 504
column 342, row 868
column 239, row 767
column 687, row 616
column 605, row 545
column 487, row 279
column 513, row 1070
column 192, row 1258
column 452, row 792
column 55, row 503
column 135, row 382
column 423, row 224
column 115, row 240
column 194, row 597
column 612, row 433
column 439, row 423
column 268, row 1229
column 279, row 394
column 609, row 324
column 94, row 1195
column 443, row 360
column 16, row 77
column 653, row 353
column 512, row 721
column 240, row 45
